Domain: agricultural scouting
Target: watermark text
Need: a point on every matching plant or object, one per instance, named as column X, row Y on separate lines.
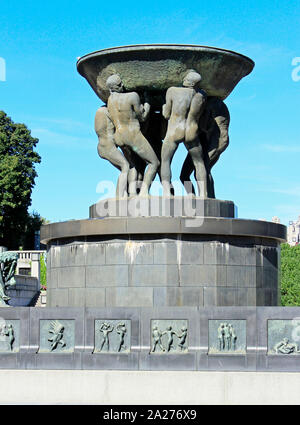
column 296, row 70
column 2, row 69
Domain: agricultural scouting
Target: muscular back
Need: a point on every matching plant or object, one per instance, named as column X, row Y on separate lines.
column 122, row 109
column 183, row 108
column 178, row 101
column 192, row 126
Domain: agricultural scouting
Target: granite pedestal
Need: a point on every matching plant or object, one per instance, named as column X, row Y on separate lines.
column 156, row 261
column 158, row 206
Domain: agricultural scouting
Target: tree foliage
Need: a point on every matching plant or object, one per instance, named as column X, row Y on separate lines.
column 290, row 275
column 33, row 224
column 17, row 178
column 43, row 272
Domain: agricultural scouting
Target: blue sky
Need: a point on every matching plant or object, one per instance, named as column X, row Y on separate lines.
column 40, row 42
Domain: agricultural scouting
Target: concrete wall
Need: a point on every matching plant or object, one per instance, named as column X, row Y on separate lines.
column 165, row 270
column 27, row 287
column 104, row 387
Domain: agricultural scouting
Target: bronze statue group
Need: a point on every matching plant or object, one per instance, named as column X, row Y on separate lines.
column 141, row 139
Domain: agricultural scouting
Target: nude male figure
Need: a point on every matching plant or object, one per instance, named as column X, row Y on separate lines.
column 127, row 112
column 214, row 125
column 221, row 337
column 183, row 109
column 107, row 148
column 182, row 337
column 57, row 331
column 233, row 336
column 286, row 347
column 121, row 330
column 11, row 337
column 227, row 336
column 170, row 334
column 105, row 328
column 156, row 335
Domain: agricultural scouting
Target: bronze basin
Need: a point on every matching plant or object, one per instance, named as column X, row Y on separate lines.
column 156, row 67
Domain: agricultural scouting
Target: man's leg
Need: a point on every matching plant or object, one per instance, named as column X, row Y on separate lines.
column 168, row 150
column 144, row 150
column 136, row 170
column 102, row 344
column 154, row 346
column 211, row 186
column 132, row 181
column 195, row 150
column 210, row 180
column 115, row 157
column 162, row 347
column 185, row 175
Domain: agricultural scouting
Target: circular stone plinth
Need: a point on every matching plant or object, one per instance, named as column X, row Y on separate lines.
column 122, row 226
column 162, row 261
column 156, row 67
column 158, row 206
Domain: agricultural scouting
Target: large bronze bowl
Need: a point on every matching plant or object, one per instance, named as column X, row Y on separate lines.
column 156, row 67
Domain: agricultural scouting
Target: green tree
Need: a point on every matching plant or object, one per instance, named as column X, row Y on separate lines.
column 290, row 275
column 17, row 178
column 33, row 224
column 43, row 272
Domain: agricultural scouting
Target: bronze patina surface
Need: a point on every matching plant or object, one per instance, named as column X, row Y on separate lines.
column 156, row 67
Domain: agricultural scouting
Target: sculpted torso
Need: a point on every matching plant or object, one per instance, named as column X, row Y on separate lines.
column 107, row 148
column 104, row 129
column 126, row 112
column 124, row 109
column 183, row 108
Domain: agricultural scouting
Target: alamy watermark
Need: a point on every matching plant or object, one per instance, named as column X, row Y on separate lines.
column 296, row 329
column 2, row 69
column 296, row 70
column 184, row 204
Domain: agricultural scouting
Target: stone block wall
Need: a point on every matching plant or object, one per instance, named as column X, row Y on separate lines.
column 165, row 270
column 26, row 289
column 162, row 338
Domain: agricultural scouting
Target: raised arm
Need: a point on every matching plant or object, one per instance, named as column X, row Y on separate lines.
column 167, row 107
column 197, row 104
column 221, row 118
column 142, row 111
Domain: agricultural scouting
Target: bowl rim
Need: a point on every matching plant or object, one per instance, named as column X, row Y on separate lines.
column 163, row 46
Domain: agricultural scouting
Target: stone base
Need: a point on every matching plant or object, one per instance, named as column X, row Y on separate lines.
column 25, row 291
column 255, row 333
column 162, row 261
column 157, row 206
